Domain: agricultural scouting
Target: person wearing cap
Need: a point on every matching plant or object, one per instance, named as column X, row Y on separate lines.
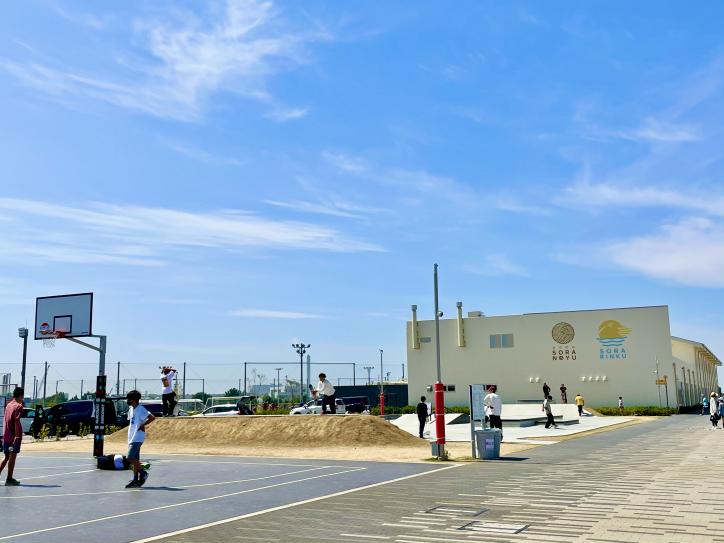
column 328, row 394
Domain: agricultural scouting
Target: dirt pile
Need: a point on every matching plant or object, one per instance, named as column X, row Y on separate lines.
column 275, row 431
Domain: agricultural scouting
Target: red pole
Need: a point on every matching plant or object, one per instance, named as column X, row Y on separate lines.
column 382, row 405
column 439, row 412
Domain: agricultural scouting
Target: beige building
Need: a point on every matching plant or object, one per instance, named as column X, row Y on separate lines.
column 601, row 354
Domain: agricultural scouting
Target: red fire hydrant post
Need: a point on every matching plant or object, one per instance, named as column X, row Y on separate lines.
column 439, row 412
column 382, row 405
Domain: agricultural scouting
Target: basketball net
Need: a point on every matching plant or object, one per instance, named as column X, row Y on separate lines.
column 49, row 338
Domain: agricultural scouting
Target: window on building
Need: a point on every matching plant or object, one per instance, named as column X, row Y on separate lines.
column 501, row 341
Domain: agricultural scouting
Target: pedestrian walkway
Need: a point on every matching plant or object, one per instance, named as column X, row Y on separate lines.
column 656, row 482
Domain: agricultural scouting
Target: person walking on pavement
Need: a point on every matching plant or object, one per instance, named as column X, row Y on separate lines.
column 422, row 415
column 12, row 434
column 580, row 402
column 564, row 396
column 620, row 403
column 546, row 408
column 546, row 390
column 714, row 410
column 494, row 408
column 329, row 396
column 704, row 405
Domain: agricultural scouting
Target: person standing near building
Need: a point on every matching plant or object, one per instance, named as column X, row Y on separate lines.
column 704, row 405
column 546, row 390
column 168, row 395
column 564, row 396
column 329, row 397
column 714, row 410
column 12, row 434
column 422, row 414
column 494, row 408
column 620, row 403
column 546, row 408
column 580, row 402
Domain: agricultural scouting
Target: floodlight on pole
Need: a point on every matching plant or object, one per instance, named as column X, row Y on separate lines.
column 301, row 349
column 23, row 333
column 369, row 373
column 279, row 384
column 438, row 387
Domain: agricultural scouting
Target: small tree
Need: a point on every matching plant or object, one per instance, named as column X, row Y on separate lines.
column 233, row 392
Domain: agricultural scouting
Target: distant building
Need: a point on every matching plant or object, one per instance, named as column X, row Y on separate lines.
column 601, row 354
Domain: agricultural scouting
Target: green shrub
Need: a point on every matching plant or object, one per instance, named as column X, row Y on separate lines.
column 637, row 411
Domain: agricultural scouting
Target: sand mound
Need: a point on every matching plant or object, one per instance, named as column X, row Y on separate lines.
column 275, row 431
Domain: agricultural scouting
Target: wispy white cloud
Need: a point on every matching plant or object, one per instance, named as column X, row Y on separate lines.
column 189, row 60
column 84, row 19
column 346, row 163
column 283, row 115
column 136, row 235
column 596, row 195
column 201, row 155
column 690, row 252
column 497, row 266
column 333, row 208
column 274, row 314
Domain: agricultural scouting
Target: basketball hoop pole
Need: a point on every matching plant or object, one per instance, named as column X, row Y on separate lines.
column 101, row 349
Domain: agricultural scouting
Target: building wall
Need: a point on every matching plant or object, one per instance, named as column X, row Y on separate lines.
column 623, row 365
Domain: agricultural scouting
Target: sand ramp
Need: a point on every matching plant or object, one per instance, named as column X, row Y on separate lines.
column 275, row 431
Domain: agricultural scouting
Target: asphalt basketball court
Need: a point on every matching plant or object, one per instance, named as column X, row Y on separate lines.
column 63, row 497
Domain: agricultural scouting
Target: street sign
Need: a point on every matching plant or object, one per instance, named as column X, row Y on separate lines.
column 661, row 381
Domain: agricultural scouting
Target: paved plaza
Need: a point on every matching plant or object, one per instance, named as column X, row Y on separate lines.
column 656, row 482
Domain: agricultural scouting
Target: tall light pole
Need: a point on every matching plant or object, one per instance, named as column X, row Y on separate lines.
column 438, row 387
column 382, row 387
column 369, row 374
column 23, row 333
column 301, row 350
column 279, row 384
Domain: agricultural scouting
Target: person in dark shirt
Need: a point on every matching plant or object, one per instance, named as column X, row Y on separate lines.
column 546, row 390
column 422, row 414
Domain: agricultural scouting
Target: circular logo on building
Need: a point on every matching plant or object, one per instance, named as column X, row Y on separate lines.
column 563, row 333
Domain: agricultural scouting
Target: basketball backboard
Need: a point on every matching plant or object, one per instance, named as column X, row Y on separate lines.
column 71, row 314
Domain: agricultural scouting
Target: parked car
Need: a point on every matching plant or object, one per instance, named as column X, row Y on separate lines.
column 223, row 410
column 314, row 407
column 68, row 417
column 356, row 404
column 26, row 419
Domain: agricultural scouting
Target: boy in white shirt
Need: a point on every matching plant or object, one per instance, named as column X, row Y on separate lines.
column 138, row 418
column 168, row 394
column 494, row 407
column 329, row 395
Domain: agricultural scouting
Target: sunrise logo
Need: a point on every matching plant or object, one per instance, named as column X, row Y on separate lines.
column 612, row 334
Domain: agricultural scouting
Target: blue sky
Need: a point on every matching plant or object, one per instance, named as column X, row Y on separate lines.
column 228, row 177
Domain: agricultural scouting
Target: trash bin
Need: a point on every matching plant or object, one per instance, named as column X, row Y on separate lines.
column 487, row 443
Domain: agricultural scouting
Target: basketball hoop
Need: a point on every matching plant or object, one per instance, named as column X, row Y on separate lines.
column 49, row 336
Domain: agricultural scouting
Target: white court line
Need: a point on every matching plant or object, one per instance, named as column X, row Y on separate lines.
column 170, row 506
column 58, row 474
column 54, row 467
column 165, row 460
column 366, row 536
column 139, row 490
column 290, row 505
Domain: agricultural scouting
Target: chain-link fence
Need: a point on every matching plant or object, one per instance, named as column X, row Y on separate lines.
column 64, row 381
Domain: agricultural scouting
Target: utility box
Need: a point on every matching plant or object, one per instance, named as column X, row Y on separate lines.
column 487, row 443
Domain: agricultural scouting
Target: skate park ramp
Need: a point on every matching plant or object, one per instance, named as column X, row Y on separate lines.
column 303, row 431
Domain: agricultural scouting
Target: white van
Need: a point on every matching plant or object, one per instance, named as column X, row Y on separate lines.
column 314, row 407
